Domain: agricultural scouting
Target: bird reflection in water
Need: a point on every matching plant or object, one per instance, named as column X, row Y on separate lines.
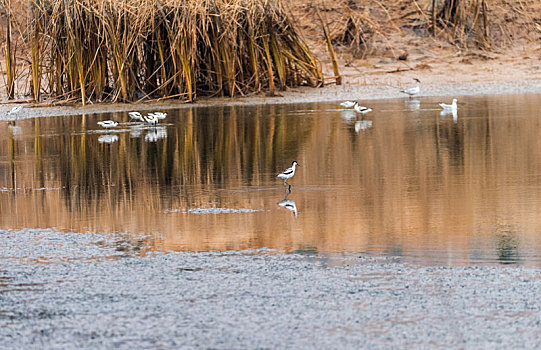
column 15, row 130
column 349, row 115
column 362, row 125
column 452, row 112
column 288, row 203
column 156, row 134
column 108, row 138
column 413, row 104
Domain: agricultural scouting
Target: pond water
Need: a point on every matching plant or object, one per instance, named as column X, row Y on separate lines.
column 405, row 180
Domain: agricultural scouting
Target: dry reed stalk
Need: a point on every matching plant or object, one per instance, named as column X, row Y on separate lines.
column 10, row 55
column 335, row 67
column 35, row 47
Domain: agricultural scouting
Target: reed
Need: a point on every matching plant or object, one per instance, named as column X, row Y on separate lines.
column 128, row 50
column 465, row 19
column 9, row 55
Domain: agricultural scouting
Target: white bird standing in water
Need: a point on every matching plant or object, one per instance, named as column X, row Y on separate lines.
column 288, row 173
column 348, row 104
column 108, row 124
column 362, row 109
column 452, row 106
column 159, row 115
column 136, row 116
column 151, row 119
column 414, row 90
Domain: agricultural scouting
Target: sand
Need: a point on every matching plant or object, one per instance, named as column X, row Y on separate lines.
column 87, row 290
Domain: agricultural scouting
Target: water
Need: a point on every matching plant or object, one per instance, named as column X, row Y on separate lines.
column 405, row 181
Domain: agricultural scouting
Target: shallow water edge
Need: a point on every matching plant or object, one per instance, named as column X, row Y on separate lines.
column 348, row 91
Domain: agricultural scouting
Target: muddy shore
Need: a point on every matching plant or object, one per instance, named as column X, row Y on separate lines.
column 348, row 91
column 73, row 290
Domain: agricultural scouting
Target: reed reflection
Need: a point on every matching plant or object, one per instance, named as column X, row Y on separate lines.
column 412, row 179
column 507, row 245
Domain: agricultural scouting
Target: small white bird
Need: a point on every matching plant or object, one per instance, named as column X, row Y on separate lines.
column 136, row 116
column 414, row 90
column 15, row 110
column 362, row 109
column 159, row 115
column 348, row 104
column 108, row 124
column 288, row 173
column 452, row 106
column 151, row 119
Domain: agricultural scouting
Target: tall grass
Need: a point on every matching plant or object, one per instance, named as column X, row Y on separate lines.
column 128, row 50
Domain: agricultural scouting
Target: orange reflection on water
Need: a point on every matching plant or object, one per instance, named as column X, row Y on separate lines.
column 402, row 180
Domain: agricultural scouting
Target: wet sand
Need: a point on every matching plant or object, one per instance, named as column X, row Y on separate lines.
column 73, row 290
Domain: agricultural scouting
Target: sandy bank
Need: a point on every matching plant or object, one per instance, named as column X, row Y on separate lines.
column 96, row 292
column 348, row 91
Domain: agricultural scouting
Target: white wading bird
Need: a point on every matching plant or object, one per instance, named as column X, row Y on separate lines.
column 136, row 116
column 452, row 106
column 414, row 90
column 151, row 119
column 288, row 173
column 159, row 115
column 362, row 109
column 348, row 104
column 108, row 124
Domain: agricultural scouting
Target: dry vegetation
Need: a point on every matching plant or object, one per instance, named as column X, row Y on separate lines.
column 131, row 50
column 142, row 49
column 369, row 27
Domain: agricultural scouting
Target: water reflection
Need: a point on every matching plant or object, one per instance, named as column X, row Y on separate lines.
column 452, row 112
column 415, row 184
column 107, row 138
column 156, row 133
column 15, row 130
column 362, row 125
column 412, row 104
column 349, row 115
column 507, row 244
column 288, row 203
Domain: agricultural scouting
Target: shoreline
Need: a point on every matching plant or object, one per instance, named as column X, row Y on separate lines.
column 330, row 93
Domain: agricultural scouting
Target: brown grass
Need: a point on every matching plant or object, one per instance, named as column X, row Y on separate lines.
column 129, row 50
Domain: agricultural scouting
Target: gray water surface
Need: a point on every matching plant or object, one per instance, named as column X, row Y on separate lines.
column 404, row 181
